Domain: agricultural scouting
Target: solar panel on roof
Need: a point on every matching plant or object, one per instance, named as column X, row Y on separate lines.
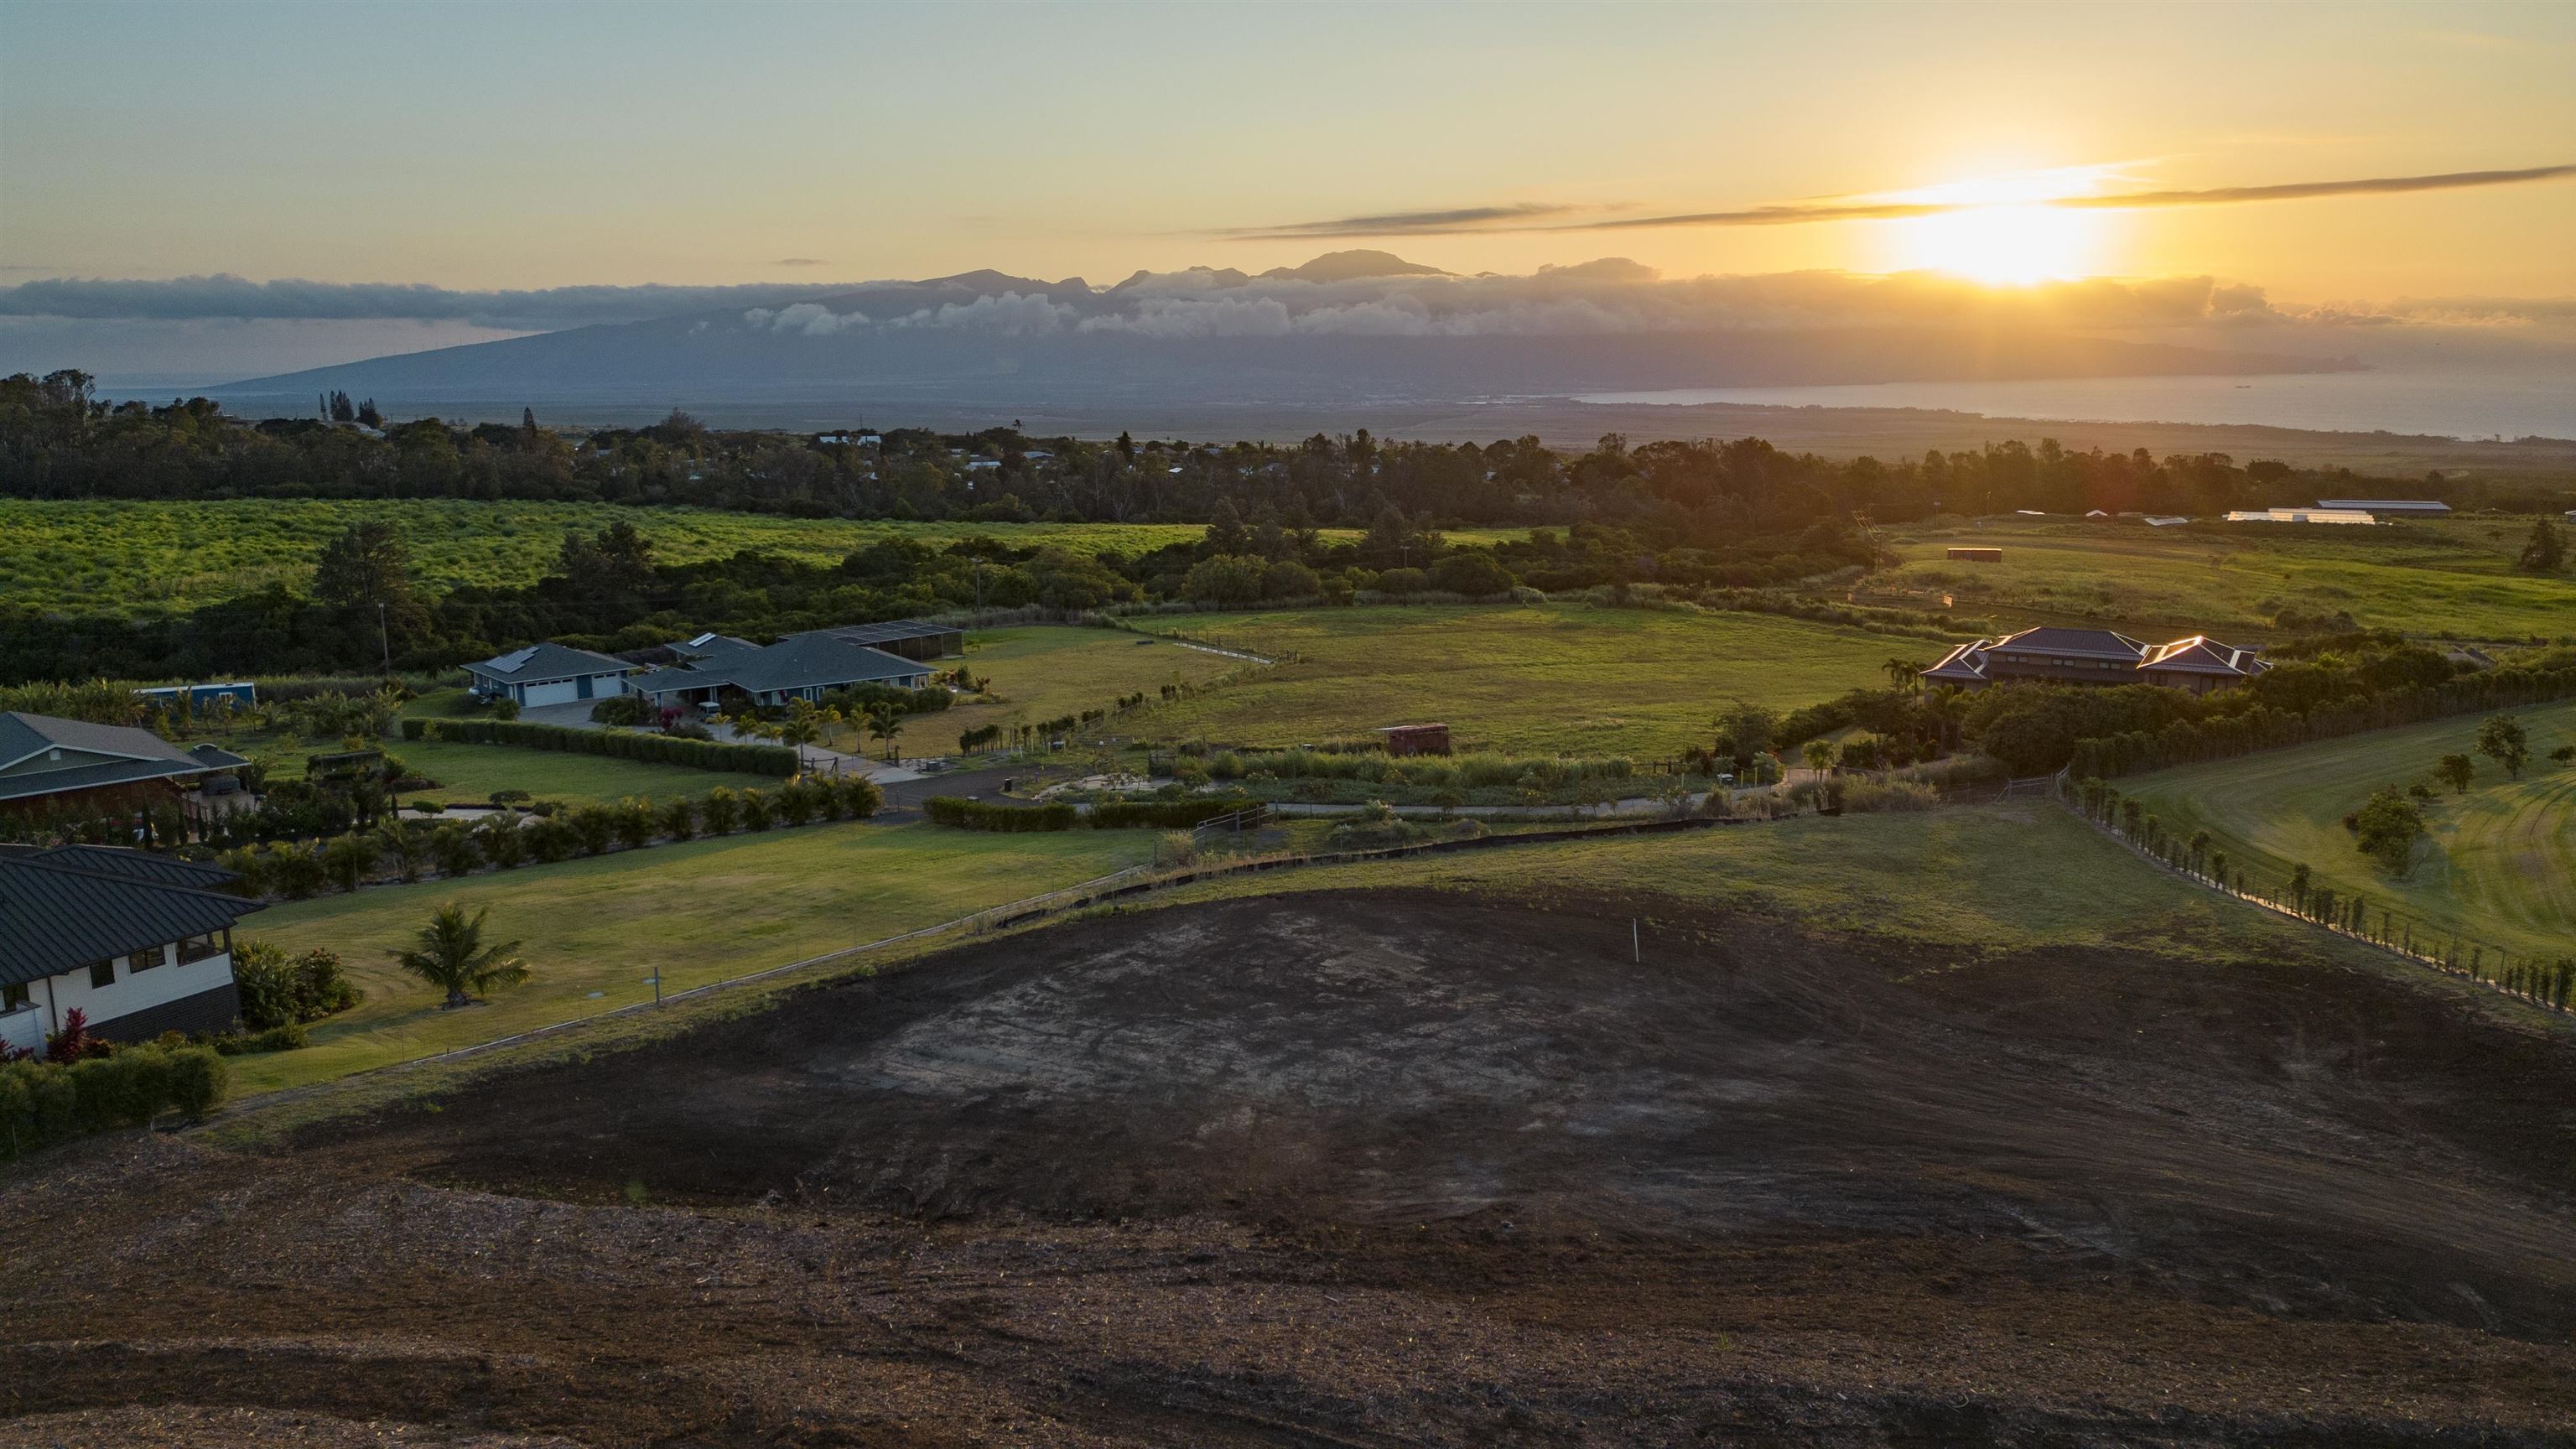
column 511, row 661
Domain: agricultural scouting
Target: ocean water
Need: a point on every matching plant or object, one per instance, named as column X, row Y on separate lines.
column 2459, row 405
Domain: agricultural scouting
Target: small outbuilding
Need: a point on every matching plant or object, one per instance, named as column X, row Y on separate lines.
column 1421, row 739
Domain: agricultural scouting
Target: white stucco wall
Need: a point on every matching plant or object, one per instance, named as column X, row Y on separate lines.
column 133, row 991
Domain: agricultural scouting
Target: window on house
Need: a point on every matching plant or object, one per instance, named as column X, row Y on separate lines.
column 143, row 960
column 13, row 997
column 198, row 948
column 102, row 974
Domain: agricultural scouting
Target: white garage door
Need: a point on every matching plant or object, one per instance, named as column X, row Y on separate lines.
column 562, row 691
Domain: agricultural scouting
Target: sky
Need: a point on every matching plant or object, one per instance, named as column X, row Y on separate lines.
column 547, row 145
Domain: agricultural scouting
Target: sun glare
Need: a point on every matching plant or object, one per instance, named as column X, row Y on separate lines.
column 1998, row 245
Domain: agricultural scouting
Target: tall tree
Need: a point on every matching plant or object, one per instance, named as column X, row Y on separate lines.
column 363, row 567
column 2501, row 738
column 2546, row 553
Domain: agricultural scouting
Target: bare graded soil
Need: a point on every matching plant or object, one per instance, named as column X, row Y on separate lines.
column 1381, row 1168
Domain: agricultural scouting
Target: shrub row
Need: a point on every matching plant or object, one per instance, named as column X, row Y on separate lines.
column 1008, row 819
column 2260, row 728
column 1465, row 772
column 45, row 1102
column 617, row 744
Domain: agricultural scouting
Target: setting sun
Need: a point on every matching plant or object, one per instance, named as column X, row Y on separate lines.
column 2000, row 245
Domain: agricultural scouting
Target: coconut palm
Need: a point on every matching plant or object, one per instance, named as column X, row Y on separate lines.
column 451, row 955
column 1901, row 673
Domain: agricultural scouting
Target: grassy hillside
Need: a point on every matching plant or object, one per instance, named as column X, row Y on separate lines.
column 1546, row 678
column 1047, row 671
column 593, row 930
column 2449, row 579
column 2498, row 864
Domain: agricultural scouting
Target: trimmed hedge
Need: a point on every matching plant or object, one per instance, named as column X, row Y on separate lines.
column 779, row 760
column 45, row 1102
column 1114, row 815
column 1009, row 819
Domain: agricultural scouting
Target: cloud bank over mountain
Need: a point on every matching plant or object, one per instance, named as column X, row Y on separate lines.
column 1345, row 329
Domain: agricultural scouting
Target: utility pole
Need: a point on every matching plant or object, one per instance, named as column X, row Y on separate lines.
column 384, row 635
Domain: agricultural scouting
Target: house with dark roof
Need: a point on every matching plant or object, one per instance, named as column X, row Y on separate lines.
column 911, row 638
column 140, row 944
column 550, row 674
column 800, row 666
column 2055, row 655
column 46, row 761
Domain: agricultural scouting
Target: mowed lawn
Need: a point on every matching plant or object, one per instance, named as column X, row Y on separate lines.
column 2448, row 579
column 2498, row 864
column 1047, row 671
column 469, row 774
column 593, row 930
column 1553, row 678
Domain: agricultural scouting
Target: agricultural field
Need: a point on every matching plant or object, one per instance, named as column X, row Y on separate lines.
column 152, row 556
column 2443, row 579
column 2498, row 864
column 593, row 930
column 1043, row 672
column 177, row 555
column 1542, row 679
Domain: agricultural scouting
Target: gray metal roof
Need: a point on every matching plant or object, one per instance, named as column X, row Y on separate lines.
column 54, row 918
column 137, row 755
column 800, row 661
column 887, row 632
column 2052, row 639
column 140, row 865
column 23, row 734
column 549, row 661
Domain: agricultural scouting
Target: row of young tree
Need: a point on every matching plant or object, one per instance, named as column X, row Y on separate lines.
column 2543, row 979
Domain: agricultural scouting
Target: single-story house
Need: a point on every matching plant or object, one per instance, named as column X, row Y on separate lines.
column 140, row 944
column 800, row 666
column 911, row 638
column 70, row 761
column 2054, row 655
column 550, row 674
column 2301, row 515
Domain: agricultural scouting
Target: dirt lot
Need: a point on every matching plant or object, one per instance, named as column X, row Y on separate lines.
column 1379, row 1169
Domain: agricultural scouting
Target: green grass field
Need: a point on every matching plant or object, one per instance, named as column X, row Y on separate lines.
column 1981, row 880
column 704, row 911
column 2444, row 579
column 147, row 556
column 470, row 773
column 1556, row 678
column 2498, row 864
column 142, row 556
column 1046, row 671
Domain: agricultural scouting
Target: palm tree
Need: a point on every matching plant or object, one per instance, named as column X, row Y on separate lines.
column 1901, row 673
column 884, row 724
column 1819, row 756
column 404, row 847
column 451, row 955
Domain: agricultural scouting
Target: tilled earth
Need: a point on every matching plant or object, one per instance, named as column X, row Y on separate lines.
column 1377, row 1169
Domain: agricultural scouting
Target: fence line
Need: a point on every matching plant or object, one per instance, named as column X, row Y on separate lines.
column 2549, row 982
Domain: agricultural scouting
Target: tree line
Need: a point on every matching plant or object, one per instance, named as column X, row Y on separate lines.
column 59, row 440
